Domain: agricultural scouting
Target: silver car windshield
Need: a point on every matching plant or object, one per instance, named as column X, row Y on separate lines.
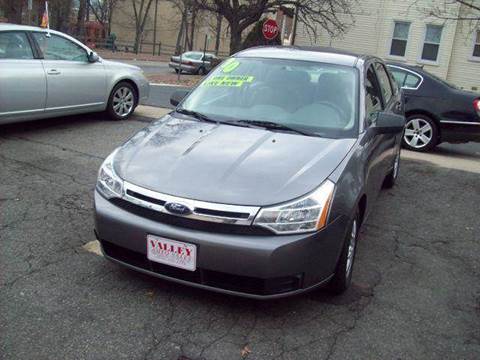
column 314, row 97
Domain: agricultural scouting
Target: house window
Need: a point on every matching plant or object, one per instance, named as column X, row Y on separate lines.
column 476, row 45
column 433, row 35
column 399, row 38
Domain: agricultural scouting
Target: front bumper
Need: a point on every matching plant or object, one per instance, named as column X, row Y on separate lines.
column 256, row 266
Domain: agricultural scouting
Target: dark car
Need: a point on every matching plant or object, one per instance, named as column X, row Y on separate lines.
column 258, row 182
column 193, row 62
column 436, row 111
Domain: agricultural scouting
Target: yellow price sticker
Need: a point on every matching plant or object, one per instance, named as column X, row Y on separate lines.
column 230, row 65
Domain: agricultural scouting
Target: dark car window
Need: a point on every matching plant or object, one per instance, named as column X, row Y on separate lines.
column 384, row 81
column 373, row 101
column 405, row 78
column 14, row 45
column 314, row 97
column 56, row 47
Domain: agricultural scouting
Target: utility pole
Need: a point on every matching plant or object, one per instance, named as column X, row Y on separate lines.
column 155, row 27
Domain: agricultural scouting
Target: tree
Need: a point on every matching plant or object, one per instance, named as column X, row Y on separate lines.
column 13, row 10
column 141, row 10
column 333, row 16
column 456, row 10
column 80, row 26
column 103, row 12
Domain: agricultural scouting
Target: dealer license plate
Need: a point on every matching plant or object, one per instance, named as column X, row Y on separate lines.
column 170, row 252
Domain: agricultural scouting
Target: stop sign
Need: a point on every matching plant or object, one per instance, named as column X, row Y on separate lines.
column 270, row 29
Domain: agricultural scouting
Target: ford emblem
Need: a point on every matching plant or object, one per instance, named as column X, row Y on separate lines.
column 178, row 209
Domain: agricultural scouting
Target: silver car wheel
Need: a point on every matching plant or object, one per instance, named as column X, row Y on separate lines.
column 418, row 133
column 123, row 101
column 351, row 248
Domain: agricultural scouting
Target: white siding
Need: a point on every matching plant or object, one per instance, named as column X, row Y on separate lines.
column 372, row 34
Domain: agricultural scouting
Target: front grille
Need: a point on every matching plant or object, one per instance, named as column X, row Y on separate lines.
column 200, row 225
column 217, row 279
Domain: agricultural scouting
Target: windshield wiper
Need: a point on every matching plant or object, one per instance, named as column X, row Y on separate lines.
column 275, row 126
column 197, row 115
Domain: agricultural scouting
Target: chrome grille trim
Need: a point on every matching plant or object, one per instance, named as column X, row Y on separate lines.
column 192, row 204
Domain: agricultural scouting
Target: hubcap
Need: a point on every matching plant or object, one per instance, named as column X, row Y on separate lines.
column 123, row 100
column 351, row 248
column 418, row 133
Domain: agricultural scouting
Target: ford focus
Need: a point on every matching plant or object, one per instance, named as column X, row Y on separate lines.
column 258, row 182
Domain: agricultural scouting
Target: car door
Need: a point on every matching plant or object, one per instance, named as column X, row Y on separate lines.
column 373, row 143
column 22, row 79
column 392, row 104
column 73, row 83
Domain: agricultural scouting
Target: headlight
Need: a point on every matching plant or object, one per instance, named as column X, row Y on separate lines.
column 303, row 215
column 108, row 183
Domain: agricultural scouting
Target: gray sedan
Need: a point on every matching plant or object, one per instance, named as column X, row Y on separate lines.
column 48, row 73
column 259, row 181
column 193, row 62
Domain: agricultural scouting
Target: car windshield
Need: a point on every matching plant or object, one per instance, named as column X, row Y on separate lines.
column 192, row 55
column 310, row 97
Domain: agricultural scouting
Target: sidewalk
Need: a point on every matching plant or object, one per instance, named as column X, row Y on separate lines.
column 150, row 111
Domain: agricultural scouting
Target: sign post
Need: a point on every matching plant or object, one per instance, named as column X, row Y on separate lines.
column 270, row 29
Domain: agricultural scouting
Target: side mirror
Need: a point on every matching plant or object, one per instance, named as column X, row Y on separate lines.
column 386, row 123
column 178, row 96
column 93, row 57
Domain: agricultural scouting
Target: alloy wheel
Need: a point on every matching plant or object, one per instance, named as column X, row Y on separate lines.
column 123, row 101
column 418, row 133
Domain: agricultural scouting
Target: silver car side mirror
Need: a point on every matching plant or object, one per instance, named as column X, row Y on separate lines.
column 93, row 57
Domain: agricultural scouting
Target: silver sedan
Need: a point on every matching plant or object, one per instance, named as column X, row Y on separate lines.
column 47, row 74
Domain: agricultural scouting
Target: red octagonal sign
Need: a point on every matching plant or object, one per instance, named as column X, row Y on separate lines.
column 270, row 29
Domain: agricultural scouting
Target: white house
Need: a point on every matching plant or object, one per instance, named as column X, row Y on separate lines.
column 400, row 31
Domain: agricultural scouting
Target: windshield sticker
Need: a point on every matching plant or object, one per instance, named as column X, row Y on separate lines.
column 229, row 80
column 230, row 65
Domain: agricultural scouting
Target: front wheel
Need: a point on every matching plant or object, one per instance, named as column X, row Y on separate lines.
column 343, row 272
column 421, row 133
column 122, row 101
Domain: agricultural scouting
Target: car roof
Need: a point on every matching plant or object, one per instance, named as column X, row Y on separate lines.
column 308, row 53
column 415, row 68
column 10, row 27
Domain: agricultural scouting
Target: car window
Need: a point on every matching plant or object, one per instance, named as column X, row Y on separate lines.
column 56, row 47
column 373, row 102
column 192, row 55
column 314, row 97
column 14, row 45
column 405, row 78
column 384, row 81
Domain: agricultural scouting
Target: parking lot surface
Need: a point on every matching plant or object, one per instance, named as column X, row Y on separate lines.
column 416, row 291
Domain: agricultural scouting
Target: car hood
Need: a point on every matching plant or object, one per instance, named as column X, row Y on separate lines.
column 116, row 64
column 227, row 164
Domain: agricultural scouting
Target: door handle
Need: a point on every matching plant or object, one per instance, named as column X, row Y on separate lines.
column 53, row 72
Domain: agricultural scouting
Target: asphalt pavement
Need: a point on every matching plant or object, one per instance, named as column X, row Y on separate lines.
column 415, row 292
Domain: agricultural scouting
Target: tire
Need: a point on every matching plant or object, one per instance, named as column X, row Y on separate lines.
column 342, row 279
column 122, row 101
column 421, row 133
column 391, row 177
column 176, row 70
column 202, row 71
